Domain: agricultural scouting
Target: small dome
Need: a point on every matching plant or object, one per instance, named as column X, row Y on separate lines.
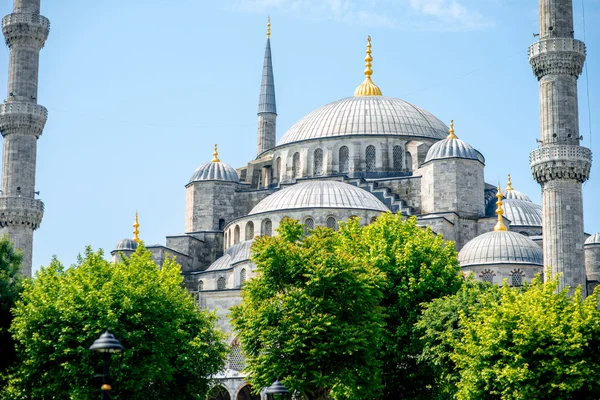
column 126, row 244
column 511, row 194
column 452, row 148
column 522, row 212
column 500, row 247
column 594, row 239
column 366, row 115
column 235, row 254
column 215, row 171
column 319, row 194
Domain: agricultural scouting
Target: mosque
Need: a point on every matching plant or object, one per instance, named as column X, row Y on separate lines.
column 353, row 158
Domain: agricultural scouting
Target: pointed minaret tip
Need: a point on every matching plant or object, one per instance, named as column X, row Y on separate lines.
column 266, row 99
column 215, row 155
column 499, row 211
column 136, row 231
column 451, row 134
column 368, row 88
column 269, row 27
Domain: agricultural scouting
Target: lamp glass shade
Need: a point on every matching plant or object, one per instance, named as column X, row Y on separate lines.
column 107, row 343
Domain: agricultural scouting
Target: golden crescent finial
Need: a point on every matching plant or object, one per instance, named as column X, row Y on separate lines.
column 451, row 134
column 499, row 211
column 136, row 231
column 368, row 88
column 509, row 184
column 215, row 155
column 269, row 27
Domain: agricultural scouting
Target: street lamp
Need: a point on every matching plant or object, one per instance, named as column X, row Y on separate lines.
column 277, row 391
column 107, row 343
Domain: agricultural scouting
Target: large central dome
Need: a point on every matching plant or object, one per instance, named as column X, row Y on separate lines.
column 366, row 115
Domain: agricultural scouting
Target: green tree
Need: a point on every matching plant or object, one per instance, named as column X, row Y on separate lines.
column 531, row 344
column 11, row 286
column 171, row 347
column 419, row 266
column 311, row 316
column 440, row 331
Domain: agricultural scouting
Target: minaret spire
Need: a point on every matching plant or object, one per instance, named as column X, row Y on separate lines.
column 136, row 231
column 267, row 109
column 560, row 165
column 21, row 123
column 499, row 211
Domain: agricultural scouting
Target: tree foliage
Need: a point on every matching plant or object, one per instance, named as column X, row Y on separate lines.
column 311, row 317
column 11, row 286
column 171, row 347
column 531, row 344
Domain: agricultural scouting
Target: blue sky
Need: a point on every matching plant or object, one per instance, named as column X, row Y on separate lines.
column 139, row 90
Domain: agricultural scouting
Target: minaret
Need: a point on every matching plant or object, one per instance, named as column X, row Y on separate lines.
column 267, row 111
column 560, row 165
column 21, row 123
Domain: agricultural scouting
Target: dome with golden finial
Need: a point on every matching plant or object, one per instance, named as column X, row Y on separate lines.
column 519, row 209
column 368, row 88
column 500, row 246
column 512, row 194
column 215, row 171
column 452, row 147
column 130, row 244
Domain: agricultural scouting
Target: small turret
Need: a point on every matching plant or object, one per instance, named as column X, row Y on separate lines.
column 127, row 246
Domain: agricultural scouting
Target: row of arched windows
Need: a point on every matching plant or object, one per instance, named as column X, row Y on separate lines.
column 516, row 276
column 222, row 283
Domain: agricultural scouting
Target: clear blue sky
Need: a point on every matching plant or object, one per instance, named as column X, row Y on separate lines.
column 139, row 90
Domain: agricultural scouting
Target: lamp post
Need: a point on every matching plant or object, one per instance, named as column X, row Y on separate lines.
column 277, row 391
column 107, row 343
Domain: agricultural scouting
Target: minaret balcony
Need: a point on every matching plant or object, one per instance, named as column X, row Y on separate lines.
column 27, row 29
column 557, row 56
column 21, row 211
column 23, row 118
column 560, row 162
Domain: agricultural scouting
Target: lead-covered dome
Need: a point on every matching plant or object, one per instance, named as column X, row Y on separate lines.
column 500, row 247
column 237, row 253
column 452, row 147
column 366, row 115
column 319, row 194
column 215, row 171
column 127, row 245
column 522, row 212
column 594, row 239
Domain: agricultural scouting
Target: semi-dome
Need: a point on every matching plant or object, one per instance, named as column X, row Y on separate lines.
column 500, row 247
column 319, row 194
column 523, row 212
column 215, row 171
column 452, row 147
column 235, row 254
column 126, row 244
column 594, row 239
column 366, row 115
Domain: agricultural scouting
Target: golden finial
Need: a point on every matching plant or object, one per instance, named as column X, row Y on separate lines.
column 368, row 88
column 499, row 211
column 216, row 155
column 509, row 184
column 451, row 134
column 136, row 231
column 269, row 27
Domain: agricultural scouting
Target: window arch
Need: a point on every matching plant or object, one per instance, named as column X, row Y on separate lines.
column 516, row 277
column 397, row 158
column 278, row 168
column 236, row 234
column 371, row 158
column 236, row 358
column 487, row 275
column 250, row 230
column 246, row 393
column 242, row 276
column 221, row 224
column 267, row 227
column 332, row 223
column 318, row 162
column 200, row 285
column 408, row 161
column 226, row 241
column 296, row 165
column 344, row 159
column 221, row 284
column 373, row 219
column 218, row 393
column 309, row 225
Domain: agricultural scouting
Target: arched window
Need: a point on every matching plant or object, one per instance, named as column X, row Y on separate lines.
column 221, row 283
column 218, row 393
column 226, row 241
column 318, row 162
column 397, row 158
column 309, row 225
column 278, row 168
column 373, row 219
column 516, row 276
column 408, row 161
column 250, row 230
column 200, row 285
column 487, row 275
column 221, row 224
column 267, row 227
column 236, row 358
column 246, row 393
column 296, row 165
column 332, row 223
column 242, row 276
column 371, row 156
column 236, row 234
column 344, row 159
column 356, row 217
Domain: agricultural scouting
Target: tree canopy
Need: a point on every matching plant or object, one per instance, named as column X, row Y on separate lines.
column 171, row 347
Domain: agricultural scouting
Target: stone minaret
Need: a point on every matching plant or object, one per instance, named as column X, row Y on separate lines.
column 560, row 165
column 21, row 123
column 267, row 111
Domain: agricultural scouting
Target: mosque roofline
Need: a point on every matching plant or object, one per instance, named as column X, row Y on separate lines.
column 479, row 263
column 160, row 246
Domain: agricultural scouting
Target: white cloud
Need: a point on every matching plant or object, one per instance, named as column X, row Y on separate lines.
column 436, row 15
